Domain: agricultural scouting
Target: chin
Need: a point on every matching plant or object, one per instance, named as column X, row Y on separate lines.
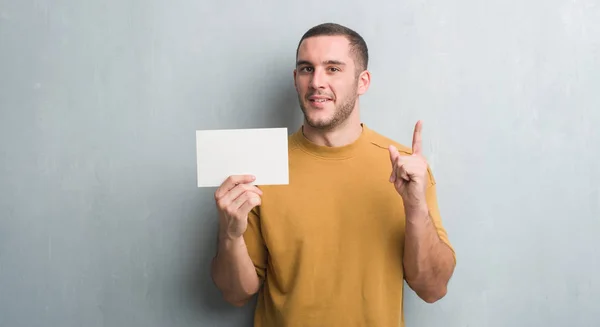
column 318, row 116
column 319, row 122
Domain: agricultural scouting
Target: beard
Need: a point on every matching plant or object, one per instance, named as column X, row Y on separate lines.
column 341, row 113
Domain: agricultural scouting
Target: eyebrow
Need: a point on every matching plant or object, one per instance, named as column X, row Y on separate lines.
column 326, row 62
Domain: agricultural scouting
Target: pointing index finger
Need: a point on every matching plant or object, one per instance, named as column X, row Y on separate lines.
column 416, row 144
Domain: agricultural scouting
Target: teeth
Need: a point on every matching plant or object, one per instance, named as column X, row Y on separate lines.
column 320, row 100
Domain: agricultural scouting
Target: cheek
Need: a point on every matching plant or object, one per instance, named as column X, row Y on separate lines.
column 340, row 90
column 301, row 85
column 343, row 87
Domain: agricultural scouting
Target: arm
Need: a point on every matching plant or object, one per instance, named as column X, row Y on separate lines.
column 232, row 268
column 428, row 261
column 233, row 272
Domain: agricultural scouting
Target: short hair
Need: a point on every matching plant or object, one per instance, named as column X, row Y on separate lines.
column 357, row 43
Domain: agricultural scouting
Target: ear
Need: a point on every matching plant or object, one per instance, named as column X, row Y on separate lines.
column 295, row 84
column 364, row 81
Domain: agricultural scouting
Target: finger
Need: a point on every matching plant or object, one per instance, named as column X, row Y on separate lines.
column 236, row 192
column 416, row 144
column 231, row 182
column 394, row 154
column 241, row 189
column 402, row 171
column 400, row 184
column 393, row 158
column 243, row 204
column 239, row 201
column 249, row 204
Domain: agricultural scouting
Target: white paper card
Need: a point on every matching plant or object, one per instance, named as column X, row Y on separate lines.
column 262, row 152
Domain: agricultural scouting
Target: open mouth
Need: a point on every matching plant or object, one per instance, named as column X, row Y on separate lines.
column 319, row 100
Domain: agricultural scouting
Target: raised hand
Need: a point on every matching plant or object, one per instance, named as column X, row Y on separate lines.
column 235, row 198
column 409, row 173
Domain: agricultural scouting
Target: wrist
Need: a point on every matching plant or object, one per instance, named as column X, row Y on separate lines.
column 414, row 200
column 415, row 203
column 228, row 241
column 416, row 211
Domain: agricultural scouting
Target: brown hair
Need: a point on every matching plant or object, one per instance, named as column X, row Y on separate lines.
column 357, row 43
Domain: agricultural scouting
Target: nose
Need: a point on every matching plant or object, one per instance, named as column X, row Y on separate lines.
column 317, row 80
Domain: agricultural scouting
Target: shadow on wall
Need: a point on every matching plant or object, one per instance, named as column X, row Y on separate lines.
column 204, row 297
column 285, row 110
column 281, row 110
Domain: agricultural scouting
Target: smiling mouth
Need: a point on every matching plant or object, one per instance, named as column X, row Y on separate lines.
column 319, row 100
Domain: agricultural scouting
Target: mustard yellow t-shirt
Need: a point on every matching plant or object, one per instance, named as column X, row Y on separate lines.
column 328, row 247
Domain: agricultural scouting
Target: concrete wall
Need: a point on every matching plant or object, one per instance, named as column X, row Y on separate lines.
column 101, row 222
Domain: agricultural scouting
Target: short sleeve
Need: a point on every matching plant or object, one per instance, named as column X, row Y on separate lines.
column 434, row 212
column 255, row 242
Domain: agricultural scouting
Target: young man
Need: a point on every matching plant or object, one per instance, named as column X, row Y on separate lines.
column 358, row 218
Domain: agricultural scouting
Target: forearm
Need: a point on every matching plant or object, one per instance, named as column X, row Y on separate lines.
column 428, row 262
column 233, row 271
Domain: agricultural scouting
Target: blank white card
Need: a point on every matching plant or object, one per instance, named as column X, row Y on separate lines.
column 262, row 152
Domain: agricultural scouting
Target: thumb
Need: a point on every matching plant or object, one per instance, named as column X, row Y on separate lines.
column 393, row 153
column 393, row 157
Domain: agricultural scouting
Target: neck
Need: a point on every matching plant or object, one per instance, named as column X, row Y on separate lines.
column 343, row 134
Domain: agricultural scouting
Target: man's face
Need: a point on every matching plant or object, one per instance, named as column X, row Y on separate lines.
column 326, row 81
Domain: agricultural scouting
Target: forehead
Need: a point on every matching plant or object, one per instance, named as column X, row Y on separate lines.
column 322, row 48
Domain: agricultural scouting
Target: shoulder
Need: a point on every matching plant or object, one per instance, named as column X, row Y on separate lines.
column 383, row 142
column 292, row 141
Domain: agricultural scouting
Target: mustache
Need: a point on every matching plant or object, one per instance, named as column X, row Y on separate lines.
column 308, row 95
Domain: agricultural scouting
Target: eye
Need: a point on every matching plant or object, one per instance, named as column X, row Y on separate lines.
column 306, row 69
column 334, row 69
